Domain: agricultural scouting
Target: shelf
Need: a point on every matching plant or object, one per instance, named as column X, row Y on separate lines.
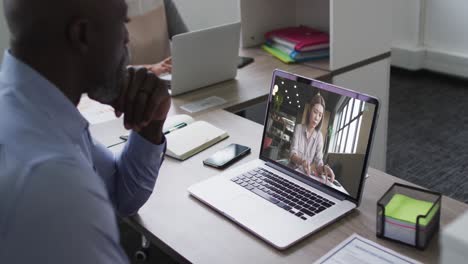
column 358, row 31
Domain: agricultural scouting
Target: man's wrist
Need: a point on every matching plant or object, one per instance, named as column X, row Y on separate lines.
column 153, row 132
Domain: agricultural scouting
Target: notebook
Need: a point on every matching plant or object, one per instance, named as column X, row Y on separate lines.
column 186, row 137
column 273, row 196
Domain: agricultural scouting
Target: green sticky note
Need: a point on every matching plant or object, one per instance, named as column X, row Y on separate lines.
column 405, row 208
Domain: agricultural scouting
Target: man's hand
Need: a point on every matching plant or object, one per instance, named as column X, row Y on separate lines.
column 144, row 101
column 164, row 66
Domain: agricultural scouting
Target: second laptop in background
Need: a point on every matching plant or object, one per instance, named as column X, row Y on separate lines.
column 204, row 57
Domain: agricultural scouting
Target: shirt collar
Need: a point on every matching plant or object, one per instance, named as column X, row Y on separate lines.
column 43, row 95
column 308, row 135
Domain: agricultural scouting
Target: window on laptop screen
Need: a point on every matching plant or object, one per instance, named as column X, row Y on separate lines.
column 318, row 133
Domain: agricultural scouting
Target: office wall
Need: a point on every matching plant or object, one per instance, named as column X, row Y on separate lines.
column 407, row 34
column 4, row 34
column 405, row 24
column 446, row 36
column 447, row 25
column 431, row 34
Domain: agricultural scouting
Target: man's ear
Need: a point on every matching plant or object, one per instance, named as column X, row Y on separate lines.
column 79, row 35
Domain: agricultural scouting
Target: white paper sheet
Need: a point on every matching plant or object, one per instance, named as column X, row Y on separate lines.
column 95, row 112
column 203, row 104
column 358, row 250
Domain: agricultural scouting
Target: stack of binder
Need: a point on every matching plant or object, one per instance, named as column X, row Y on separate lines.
column 297, row 44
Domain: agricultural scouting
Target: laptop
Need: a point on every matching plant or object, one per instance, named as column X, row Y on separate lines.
column 278, row 199
column 203, row 57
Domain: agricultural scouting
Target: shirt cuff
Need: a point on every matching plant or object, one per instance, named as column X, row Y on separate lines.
column 138, row 145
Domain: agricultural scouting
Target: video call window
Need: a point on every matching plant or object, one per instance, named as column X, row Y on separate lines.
column 318, row 133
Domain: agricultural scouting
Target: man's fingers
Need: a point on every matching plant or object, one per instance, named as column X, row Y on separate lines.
column 159, row 103
column 136, row 84
column 119, row 103
column 145, row 100
column 139, row 108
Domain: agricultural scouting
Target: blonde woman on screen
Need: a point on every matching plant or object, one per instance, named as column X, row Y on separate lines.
column 307, row 143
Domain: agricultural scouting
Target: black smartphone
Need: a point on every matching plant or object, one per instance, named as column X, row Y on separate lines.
column 243, row 61
column 227, row 156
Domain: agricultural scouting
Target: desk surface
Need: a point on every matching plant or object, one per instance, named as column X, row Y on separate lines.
column 191, row 231
column 171, row 218
column 251, row 85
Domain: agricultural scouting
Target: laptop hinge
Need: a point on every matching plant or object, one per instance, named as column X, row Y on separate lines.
column 336, row 195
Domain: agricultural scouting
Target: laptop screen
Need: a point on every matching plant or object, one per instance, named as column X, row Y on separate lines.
column 319, row 131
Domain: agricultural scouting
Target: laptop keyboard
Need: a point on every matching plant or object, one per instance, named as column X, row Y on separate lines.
column 283, row 193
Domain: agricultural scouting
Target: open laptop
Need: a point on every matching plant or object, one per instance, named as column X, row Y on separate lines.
column 273, row 197
column 203, row 57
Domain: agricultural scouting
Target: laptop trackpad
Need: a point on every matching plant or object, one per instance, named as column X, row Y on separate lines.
column 264, row 219
column 245, row 207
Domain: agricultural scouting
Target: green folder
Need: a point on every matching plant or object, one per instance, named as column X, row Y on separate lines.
column 405, row 208
column 278, row 54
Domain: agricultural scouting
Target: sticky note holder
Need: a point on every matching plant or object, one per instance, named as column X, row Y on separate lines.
column 408, row 215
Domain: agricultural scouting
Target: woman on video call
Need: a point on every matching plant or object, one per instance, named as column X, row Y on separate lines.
column 307, row 142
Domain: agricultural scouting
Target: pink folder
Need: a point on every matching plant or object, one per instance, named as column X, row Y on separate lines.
column 298, row 38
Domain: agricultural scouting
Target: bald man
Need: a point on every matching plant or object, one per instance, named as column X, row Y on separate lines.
column 59, row 188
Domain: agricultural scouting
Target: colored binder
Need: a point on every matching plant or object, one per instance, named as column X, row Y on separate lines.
column 298, row 38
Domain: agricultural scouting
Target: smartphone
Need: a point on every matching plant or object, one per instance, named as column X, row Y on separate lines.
column 227, row 156
column 244, row 61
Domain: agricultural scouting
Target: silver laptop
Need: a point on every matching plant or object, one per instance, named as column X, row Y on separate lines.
column 204, row 57
column 313, row 131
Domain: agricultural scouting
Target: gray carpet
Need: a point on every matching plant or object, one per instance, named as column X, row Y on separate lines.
column 428, row 131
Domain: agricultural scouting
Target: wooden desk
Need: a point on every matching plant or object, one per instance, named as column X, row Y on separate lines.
column 190, row 231
column 251, row 85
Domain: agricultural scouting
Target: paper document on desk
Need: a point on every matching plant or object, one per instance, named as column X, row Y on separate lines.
column 358, row 250
column 203, row 104
column 94, row 111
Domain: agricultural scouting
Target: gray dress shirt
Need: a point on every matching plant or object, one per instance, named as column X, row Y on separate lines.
column 60, row 189
column 308, row 147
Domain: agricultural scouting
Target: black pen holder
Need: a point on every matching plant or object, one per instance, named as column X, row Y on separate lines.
column 414, row 233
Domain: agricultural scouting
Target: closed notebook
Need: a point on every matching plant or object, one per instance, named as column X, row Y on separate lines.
column 191, row 138
column 298, row 38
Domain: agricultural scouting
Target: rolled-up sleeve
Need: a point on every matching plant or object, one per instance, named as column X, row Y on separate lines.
column 137, row 170
column 318, row 159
